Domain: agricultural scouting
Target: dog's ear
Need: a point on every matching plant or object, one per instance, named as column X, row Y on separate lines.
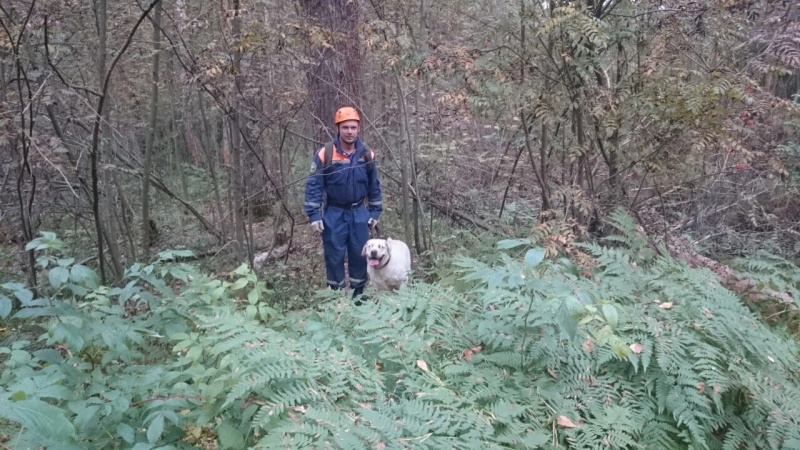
column 364, row 250
column 388, row 250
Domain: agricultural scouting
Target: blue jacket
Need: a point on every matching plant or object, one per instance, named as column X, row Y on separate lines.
column 346, row 181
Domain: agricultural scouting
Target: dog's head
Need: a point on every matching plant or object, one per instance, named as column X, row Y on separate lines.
column 376, row 251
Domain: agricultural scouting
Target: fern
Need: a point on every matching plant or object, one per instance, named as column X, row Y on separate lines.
column 654, row 355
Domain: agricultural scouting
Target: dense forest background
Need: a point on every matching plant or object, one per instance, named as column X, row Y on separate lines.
column 150, row 148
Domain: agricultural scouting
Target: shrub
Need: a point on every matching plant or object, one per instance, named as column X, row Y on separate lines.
column 525, row 353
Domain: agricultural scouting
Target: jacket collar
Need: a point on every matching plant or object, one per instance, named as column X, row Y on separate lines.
column 360, row 148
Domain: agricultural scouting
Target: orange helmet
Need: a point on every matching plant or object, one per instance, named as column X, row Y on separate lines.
column 346, row 113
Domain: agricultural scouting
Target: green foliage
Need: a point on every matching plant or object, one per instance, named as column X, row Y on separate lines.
column 772, row 272
column 522, row 353
column 105, row 374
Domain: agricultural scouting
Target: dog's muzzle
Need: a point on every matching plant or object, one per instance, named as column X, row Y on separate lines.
column 374, row 260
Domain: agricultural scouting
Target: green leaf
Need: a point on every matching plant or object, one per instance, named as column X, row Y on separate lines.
column 179, row 337
column 41, row 418
column 537, row 438
column 564, row 316
column 32, row 245
column 194, row 353
column 58, row 276
column 217, row 293
column 65, row 262
column 242, row 270
column 81, row 274
column 24, row 296
column 229, row 437
column 506, row 244
column 240, row 283
column 252, row 296
column 71, row 334
column 155, row 429
column 12, row 286
column 534, row 257
column 610, row 313
column 5, row 306
column 126, row 432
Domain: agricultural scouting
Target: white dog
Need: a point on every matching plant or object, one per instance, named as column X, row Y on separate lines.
column 388, row 263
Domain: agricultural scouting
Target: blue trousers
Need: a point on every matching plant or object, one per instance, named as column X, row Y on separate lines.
column 346, row 231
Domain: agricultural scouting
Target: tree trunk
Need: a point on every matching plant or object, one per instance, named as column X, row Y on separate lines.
column 127, row 218
column 110, row 232
column 538, row 174
column 98, row 116
column 211, row 159
column 173, row 132
column 237, row 175
column 148, row 229
column 405, row 156
column 95, row 154
column 26, row 190
column 418, row 211
column 334, row 80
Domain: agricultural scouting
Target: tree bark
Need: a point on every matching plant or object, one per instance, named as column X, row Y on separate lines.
column 26, row 191
column 211, row 158
column 98, row 115
column 540, row 175
column 234, row 120
column 334, row 79
column 406, row 152
column 147, row 230
column 173, row 131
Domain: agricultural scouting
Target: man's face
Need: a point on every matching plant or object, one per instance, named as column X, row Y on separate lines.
column 348, row 131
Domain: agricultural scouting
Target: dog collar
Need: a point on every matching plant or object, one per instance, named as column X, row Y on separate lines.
column 384, row 264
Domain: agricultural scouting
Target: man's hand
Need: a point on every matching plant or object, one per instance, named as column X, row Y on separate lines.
column 317, row 226
column 372, row 222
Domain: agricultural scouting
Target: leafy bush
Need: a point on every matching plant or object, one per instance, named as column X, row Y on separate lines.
column 526, row 353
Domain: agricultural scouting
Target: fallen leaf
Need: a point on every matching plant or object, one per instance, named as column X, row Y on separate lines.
column 637, row 347
column 552, row 372
column 467, row 355
column 665, row 305
column 588, row 344
column 422, row 365
column 565, row 422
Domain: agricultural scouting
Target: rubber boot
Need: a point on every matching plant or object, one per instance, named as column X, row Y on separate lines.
column 358, row 296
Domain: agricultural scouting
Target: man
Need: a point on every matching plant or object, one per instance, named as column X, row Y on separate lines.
column 353, row 204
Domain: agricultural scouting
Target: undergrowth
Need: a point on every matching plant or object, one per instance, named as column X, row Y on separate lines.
column 517, row 351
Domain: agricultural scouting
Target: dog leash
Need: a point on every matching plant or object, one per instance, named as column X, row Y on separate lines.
column 374, row 232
